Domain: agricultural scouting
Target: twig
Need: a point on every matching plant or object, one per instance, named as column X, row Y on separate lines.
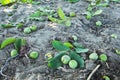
column 5, row 65
column 107, row 65
column 90, row 75
column 2, row 68
column 63, row 69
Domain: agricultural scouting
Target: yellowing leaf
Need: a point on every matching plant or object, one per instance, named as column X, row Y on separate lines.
column 5, row 2
column 68, row 44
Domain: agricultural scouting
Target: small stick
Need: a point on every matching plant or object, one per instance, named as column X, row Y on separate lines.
column 2, row 68
column 5, row 65
column 90, row 75
column 107, row 65
column 63, row 69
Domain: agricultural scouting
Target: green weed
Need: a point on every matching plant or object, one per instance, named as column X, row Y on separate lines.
column 67, row 48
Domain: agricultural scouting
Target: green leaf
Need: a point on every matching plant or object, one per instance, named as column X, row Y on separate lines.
column 26, row 1
column 78, row 58
column 103, row 4
column 73, row 1
column 98, row 23
column 74, row 38
column 29, row 1
column 68, row 44
column 0, row 1
column 116, row 0
column 106, row 77
column 61, row 14
column 103, row 57
column 93, row 56
column 35, row 3
column 59, row 46
column 7, row 42
column 77, row 45
column 36, row 18
column 113, row 36
column 98, row 12
column 81, row 50
column 55, row 20
column 5, row 2
column 98, row 2
column 23, row 1
column 19, row 43
column 89, row 9
column 72, row 14
column 88, row 15
column 68, row 23
column 7, row 25
column 36, row 14
column 19, row 25
column 107, row 1
column 55, row 62
column 117, row 51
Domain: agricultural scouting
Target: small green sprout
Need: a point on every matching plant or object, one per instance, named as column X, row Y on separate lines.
column 13, row 53
column 93, row 56
column 73, row 64
column 65, row 59
column 48, row 55
column 98, row 12
column 98, row 23
column 33, row 55
column 106, row 78
column 68, row 23
column 27, row 30
column 117, row 51
column 74, row 38
column 113, row 36
column 72, row 14
column 33, row 28
column 103, row 57
column 19, row 25
column 88, row 15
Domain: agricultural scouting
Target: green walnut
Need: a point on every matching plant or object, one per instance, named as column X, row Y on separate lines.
column 13, row 53
column 33, row 28
column 93, row 56
column 27, row 30
column 33, row 55
column 65, row 59
column 73, row 64
column 103, row 57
